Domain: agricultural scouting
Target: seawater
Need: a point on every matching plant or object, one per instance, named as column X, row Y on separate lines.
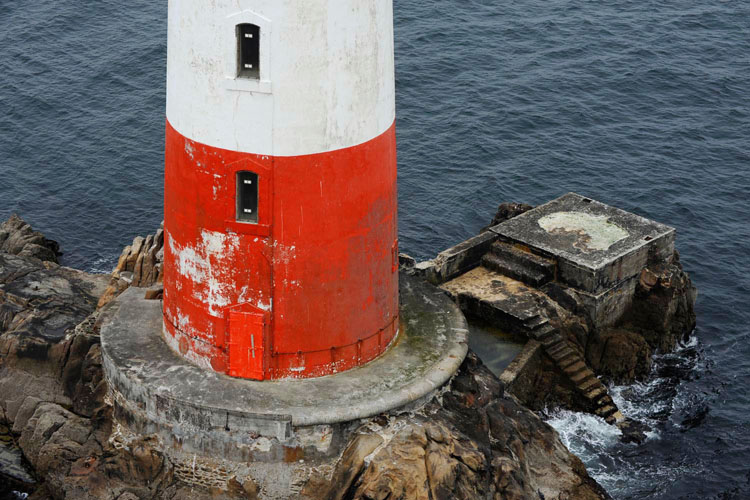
column 640, row 104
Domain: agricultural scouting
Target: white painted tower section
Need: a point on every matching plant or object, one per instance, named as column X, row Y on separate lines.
column 310, row 97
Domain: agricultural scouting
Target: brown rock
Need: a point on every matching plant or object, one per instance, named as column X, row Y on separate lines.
column 139, row 265
column 619, row 355
column 474, row 443
column 18, row 238
column 507, row 211
column 663, row 312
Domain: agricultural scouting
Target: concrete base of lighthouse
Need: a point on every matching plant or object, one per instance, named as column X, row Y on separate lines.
column 215, row 428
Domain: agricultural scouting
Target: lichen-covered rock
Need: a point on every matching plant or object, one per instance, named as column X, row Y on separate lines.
column 17, row 238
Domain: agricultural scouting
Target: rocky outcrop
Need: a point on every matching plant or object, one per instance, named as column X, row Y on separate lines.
column 40, row 308
column 507, row 211
column 45, row 357
column 662, row 315
column 140, row 265
column 575, row 349
column 472, row 442
column 17, row 238
column 663, row 307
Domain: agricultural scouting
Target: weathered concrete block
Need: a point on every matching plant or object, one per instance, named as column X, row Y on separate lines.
column 458, row 259
column 596, row 246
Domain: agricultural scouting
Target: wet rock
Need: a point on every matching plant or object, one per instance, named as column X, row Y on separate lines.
column 40, row 307
column 633, row 431
column 18, row 238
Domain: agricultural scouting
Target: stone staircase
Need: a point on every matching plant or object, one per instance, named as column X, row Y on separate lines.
column 518, row 264
column 575, row 367
column 536, row 271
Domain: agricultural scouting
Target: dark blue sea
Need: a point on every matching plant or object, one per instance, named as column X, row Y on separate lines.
column 641, row 104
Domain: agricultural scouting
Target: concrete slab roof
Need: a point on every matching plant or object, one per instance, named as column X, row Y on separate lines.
column 583, row 231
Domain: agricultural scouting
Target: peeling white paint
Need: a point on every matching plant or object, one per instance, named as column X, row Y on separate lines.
column 189, row 149
column 199, row 359
column 261, row 444
column 204, row 265
column 284, row 253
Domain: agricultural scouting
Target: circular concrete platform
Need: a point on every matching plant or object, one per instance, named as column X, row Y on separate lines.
column 156, row 391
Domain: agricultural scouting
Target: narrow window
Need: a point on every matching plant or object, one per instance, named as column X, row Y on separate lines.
column 247, row 197
column 248, row 47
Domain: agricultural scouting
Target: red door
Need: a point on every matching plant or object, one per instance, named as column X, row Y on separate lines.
column 247, row 343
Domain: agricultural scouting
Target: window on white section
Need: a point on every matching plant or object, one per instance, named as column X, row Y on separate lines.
column 248, row 51
column 247, row 197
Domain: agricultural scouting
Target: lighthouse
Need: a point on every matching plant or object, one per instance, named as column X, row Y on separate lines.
column 281, row 253
column 284, row 318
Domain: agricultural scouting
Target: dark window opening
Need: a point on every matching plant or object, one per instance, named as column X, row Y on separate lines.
column 248, row 45
column 247, row 197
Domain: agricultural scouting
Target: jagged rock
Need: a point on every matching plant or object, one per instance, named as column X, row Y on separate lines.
column 39, row 310
column 139, row 265
column 17, row 238
column 663, row 307
column 620, row 355
column 662, row 314
column 472, row 442
column 507, row 211
column 633, row 431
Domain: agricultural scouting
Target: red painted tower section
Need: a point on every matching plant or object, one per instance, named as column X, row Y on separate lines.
column 280, row 186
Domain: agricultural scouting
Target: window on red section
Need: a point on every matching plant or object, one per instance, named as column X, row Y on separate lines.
column 247, row 197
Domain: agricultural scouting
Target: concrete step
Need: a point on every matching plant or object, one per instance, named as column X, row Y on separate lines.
column 569, row 362
column 498, row 299
column 528, row 260
column 564, row 354
column 606, row 400
column 545, row 332
column 585, row 380
column 537, row 322
column 606, row 411
column 615, row 418
column 515, row 270
column 589, row 384
column 555, row 347
column 574, row 368
column 595, row 393
column 582, row 376
column 551, row 340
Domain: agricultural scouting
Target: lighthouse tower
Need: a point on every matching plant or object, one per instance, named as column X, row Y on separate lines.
column 280, row 186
